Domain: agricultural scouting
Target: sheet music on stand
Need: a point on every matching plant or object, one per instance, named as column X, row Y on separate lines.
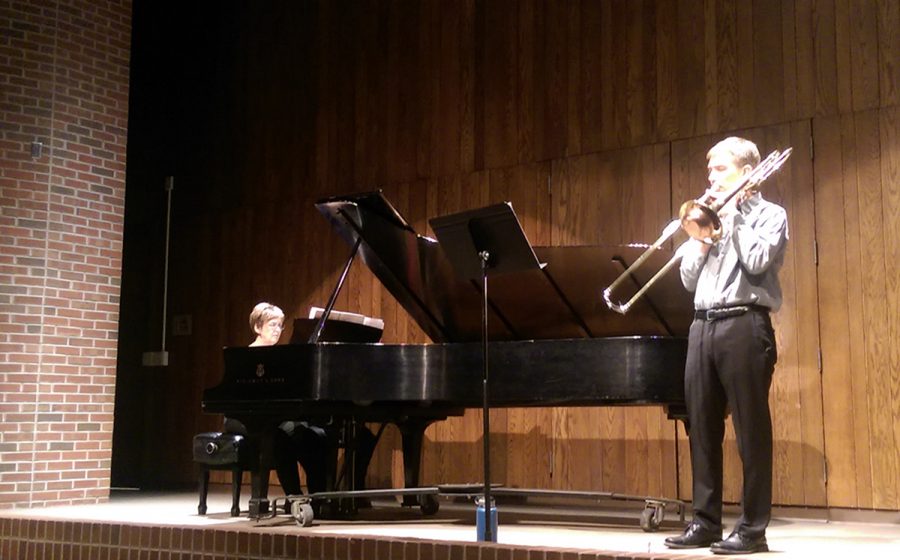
column 481, row 243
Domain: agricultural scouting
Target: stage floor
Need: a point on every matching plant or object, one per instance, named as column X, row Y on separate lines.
column 798, row 535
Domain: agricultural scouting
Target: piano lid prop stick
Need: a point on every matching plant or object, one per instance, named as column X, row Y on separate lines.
column 320, row 326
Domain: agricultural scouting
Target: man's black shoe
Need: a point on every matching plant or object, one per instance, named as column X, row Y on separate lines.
column 740, row 544
column 694, row 536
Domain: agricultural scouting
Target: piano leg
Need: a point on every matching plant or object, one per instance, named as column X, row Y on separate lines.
column 259, row 475
column 330, row 460
column 357, row 445
column 412, row 432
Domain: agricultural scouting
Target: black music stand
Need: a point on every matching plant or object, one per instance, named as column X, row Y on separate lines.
column 479, row 243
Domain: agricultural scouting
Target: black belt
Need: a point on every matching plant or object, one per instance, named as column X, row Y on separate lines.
column 726, row 312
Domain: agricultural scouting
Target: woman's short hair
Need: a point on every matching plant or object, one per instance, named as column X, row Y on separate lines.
column 742, row 150
column 263, row 313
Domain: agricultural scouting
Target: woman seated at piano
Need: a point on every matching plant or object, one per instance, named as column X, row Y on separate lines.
column 295, row 442
column 299, row 441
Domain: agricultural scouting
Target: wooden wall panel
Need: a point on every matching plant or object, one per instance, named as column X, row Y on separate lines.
column 769, row 67
column 792, row 44
column 454, row 105
column 889, row 453
column 721, row 73
column 575, row 75
column 498, row 83
column 856, row 210
column 550, row 25
column 520, row 430
column 796, row 391
column 888, row 53
column 371, row 96
column 450, row 97
column 840, row 388
column 537, row 80
column 453, row 449
column 863, row 47
column 612, row 197
column 799, row 323
column 405, row 99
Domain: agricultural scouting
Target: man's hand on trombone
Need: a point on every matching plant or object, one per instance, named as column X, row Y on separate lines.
column 700, row 223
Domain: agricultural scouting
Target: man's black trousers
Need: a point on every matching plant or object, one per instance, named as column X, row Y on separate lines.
column 729, row 366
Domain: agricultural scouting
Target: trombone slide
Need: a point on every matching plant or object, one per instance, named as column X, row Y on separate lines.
column 667, row 233
column 624, row 307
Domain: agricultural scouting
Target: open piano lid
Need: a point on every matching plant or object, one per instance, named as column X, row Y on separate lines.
column 563, row 300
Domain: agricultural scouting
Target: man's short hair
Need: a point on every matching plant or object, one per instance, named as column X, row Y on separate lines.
column 742, row 150
column 263, row 313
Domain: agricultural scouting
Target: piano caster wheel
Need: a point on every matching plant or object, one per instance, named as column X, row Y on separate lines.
column 428, row 504
column 652, row 516
column 302, row 512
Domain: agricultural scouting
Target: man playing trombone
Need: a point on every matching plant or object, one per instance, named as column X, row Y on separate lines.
column 731, row 264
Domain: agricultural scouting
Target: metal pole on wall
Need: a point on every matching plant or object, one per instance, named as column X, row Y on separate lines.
column 161, row 357
column 170, row 185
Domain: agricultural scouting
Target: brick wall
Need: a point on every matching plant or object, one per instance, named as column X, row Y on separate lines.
column 64, row 84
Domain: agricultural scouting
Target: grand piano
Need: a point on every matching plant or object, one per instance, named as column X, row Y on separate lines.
column 553, row 342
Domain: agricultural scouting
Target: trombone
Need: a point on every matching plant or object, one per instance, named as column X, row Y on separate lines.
column 709, row 206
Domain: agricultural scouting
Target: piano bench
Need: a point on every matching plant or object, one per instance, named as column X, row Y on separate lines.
column 221, row 451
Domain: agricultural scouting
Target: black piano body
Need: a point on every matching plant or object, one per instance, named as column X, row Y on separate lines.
column 552, row 343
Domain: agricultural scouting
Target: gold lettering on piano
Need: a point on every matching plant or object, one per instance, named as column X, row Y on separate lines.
column 261, row 378
column 261, row 381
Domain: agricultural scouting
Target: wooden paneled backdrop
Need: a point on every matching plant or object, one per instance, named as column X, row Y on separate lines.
column 593, row 118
